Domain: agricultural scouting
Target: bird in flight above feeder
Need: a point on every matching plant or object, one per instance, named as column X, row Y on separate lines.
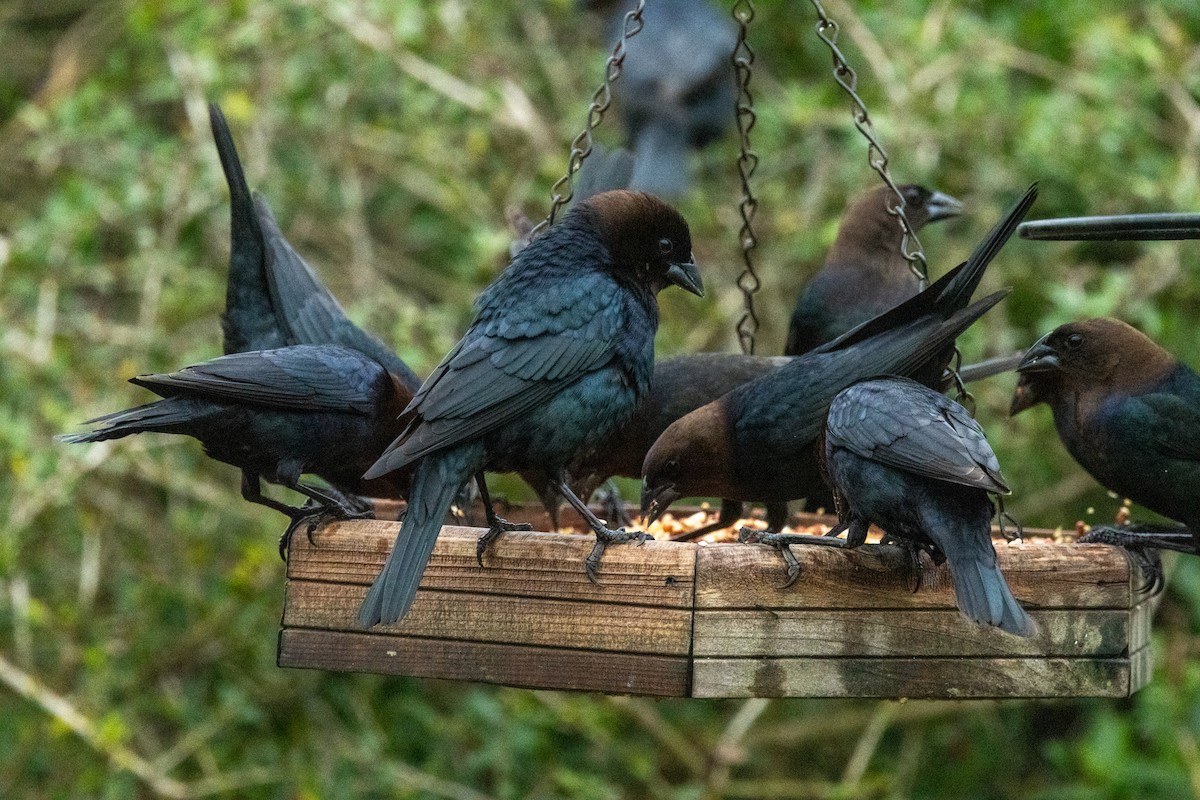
column 559, row 354
column 1129, row 412
column 757, row 442
column 865, row 272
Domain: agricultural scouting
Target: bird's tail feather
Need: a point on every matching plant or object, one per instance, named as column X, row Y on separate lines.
column 980, row 590
column 436, row 481
column 162, row 416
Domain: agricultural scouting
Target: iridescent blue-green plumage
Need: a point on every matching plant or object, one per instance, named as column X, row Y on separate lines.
column 559, row 354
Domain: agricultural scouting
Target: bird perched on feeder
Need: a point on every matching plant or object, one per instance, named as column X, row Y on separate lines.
column 273, row 297
column 1129, row 412
column 275, row 415
column 559, row 354
column 756, row 443
column 912, row 461
column 864, row 273
column 676, row 91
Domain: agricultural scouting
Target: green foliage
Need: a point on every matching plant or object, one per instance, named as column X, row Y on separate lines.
column 390, row 137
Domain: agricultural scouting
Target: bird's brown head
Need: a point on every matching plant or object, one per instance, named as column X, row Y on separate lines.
column 1099, row 352
column 648, row 240
column 692, row 458
column 868, row 228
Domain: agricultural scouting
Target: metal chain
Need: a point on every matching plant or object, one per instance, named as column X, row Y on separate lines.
column 877, row 157
column 748, row 281
column 910, row 245
column 581, row 146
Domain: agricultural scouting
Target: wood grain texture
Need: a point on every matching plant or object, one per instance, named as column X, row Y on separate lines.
column 913, row 632
column 881, row 577
column 500, row 619
column 520, row 564
column 528, row 667
column 681, row 619
column 949, row 678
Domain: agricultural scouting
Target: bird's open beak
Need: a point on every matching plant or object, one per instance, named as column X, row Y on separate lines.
column 657, row 500
column 1025, row 395
column 943, row 206
column 684, row 274
column 1039, row 358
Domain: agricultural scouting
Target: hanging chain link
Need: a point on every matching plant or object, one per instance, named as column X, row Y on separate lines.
column 910, row 245
column 748, row 281
column 581, row 146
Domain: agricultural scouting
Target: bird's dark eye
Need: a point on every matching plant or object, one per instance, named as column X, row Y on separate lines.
column 1075, row 341
column 671, row 468
column 665, row 246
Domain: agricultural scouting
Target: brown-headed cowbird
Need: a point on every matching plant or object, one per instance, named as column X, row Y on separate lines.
column 275, row 415
column 864, row 272
column 912, row 461
column 559, row 354
column 273, row 297
column 1129, row 412
column 756, row 442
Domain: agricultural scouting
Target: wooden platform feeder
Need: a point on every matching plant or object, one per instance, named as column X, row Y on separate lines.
column 686, row 620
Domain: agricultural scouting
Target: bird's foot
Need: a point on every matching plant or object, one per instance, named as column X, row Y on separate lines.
column 496, row 527
column 781, row 542
column 1143, row 545
column 314, row 514
column 605, row 537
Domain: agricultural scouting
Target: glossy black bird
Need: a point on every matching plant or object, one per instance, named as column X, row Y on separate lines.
column 275, row 415
column 1129, row 412
column 864, row 272
column 559, row 354
column 273, row 297
column 912, row 461
column 756, row 443
column 676, row 91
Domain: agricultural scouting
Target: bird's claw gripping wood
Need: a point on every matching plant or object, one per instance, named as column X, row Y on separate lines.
column 1142, row 544
column 496, row 527
column 781, row 542
column 315, row 514
column 605, row 537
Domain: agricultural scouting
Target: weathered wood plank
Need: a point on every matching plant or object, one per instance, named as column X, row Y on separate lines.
column 914, row 632
column 878, row 577
column 528, row 667
column 956, row 678
column 499, row 619
column 524, row 564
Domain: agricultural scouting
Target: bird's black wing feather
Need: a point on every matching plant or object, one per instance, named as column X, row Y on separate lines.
column 905, row 425
column 300, row 378
column 509, row 363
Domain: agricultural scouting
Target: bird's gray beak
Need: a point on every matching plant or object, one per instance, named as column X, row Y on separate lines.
column 1039, row 358
column 655, row 501
column 943, row 206
column 685, row 275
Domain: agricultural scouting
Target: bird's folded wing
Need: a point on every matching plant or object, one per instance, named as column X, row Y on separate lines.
column 504, row 367
column 290, row 379
column 1175, row 424
column 919, row 432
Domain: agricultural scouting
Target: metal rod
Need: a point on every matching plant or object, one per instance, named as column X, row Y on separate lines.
column 1118, row 227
